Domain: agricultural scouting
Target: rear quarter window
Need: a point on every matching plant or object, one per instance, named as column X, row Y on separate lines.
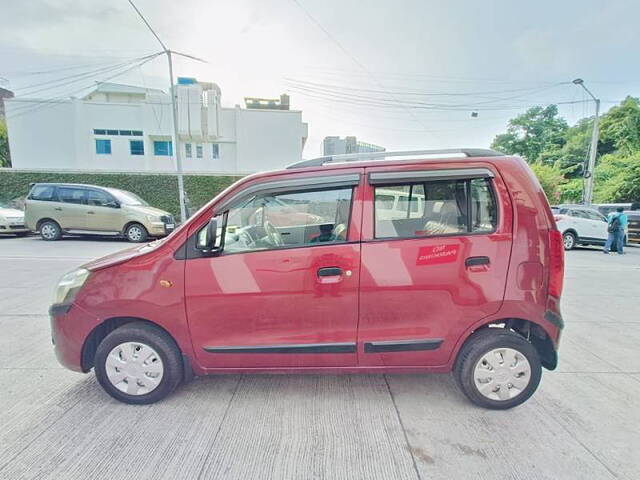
column 42, row 193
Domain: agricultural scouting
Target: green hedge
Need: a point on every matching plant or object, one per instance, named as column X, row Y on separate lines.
column 160, row 191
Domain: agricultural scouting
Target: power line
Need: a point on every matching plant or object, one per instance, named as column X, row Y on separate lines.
column 425, row 94
column 366, row 101
column 60, row 69
column 353, row 58
column 123, row 67
column 53, row 101
column 56, row 83
column 337, row 92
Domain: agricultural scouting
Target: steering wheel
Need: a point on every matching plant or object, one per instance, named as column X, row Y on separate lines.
column 273, row 234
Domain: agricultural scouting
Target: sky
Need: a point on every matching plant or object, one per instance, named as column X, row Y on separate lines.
column 403, row 74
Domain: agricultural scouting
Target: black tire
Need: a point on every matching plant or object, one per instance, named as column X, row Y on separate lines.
column 153, row 337
column 481, row 343
column 569, row 240
column 50, row 230
column 136, row 233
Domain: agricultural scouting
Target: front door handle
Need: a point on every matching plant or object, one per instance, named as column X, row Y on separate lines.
column 91, row 212
column 329, row 272
column 476, row 261
column 59, row 209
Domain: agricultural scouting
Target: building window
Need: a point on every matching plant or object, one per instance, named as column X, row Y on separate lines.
column 187, row 150
column 126, row 133
column 199, row 151
column 215, row 150
column 103, row 147
column 136, row 147
column 162, row 148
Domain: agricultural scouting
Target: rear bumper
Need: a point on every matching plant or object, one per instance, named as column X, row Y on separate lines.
column 70, row 326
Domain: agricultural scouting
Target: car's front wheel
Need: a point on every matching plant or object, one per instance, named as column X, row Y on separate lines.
column 498, row 369
column 569, row 240
column 136, row 233
column 138, row 363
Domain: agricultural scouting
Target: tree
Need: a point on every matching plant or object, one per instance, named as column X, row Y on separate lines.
column 620, row 128
column 572, row 156
column 537, row 130
column 617, row 178
column 551, row 179
column 5, row 159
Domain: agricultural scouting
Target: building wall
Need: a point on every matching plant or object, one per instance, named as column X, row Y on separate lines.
column 41, row 139
column 271, row 139
column 61, row 136
column 350, row 144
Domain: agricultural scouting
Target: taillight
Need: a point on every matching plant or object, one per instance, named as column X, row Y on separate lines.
column 556, row 263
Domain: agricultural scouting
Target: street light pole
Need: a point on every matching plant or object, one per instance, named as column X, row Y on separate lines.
column 174, row 109
column 593, row 151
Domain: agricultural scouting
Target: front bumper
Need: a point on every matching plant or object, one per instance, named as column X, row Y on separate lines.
column 161, row 229
column 70, row 327
column 13, row 228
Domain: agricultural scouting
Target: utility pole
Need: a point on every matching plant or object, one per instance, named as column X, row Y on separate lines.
column 174, row 109
column 593, row 151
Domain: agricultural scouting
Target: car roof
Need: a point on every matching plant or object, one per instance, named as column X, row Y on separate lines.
column 62, row 184
column 364, row 157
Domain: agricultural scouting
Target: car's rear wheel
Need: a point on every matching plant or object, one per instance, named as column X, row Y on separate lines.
column 138, row 363
column 50, row 230
column 498, row 369
column 569, row 240
column 136, row 233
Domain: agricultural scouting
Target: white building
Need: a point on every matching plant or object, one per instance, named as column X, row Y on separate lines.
column 126, row 128
column 339, row 146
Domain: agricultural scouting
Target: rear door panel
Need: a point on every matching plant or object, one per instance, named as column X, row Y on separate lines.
column 418, row 295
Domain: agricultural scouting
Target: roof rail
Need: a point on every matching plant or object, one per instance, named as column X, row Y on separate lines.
column 355, row 157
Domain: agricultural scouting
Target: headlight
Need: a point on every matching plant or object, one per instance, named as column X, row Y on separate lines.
column 153, row 218
column 69, row 285
column 3, row 219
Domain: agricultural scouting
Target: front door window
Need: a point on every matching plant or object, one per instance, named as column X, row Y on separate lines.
column 286, row 220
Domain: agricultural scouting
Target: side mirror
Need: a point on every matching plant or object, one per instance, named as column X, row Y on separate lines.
column 212, row 234
column 113, row 204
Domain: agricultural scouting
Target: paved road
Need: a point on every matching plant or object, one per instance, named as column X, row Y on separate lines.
column 582, row 423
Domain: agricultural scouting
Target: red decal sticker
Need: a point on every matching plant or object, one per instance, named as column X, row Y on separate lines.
column 437, row 254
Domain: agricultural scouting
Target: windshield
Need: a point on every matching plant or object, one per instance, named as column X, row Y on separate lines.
column 127, row 198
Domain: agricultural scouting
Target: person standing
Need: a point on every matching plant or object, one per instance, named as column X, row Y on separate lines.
column 617, row 225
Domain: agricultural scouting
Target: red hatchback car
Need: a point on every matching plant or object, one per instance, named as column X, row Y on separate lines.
column 448, row 261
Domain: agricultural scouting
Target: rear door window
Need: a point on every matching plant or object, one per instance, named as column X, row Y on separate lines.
column 437, row 207
column 71, row 195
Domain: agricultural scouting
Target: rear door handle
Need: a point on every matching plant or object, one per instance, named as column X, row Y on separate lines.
column 91, row 212
column 329, row 272
column 476, row 261
column 59, row 209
